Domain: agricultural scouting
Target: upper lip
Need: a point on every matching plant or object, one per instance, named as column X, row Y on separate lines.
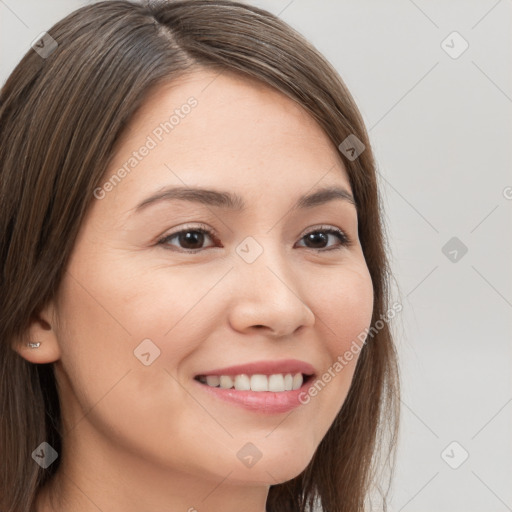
column 264, row 368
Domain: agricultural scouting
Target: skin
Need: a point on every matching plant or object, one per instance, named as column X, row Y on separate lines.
column 144, row 437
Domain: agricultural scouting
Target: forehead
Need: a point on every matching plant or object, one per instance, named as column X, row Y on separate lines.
column 224, row 130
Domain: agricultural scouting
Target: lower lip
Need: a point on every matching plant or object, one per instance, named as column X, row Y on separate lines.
column 265, row 402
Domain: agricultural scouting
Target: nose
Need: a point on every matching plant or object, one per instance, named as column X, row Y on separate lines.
column 267, row 296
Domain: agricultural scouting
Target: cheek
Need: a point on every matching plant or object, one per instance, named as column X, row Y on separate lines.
column 105, row 315
column 116, row 317
column 118, row 303
column 344, row 307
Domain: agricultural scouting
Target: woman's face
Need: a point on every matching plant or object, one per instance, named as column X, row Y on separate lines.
column 143, row 310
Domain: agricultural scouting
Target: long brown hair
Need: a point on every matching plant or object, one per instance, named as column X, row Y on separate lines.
column 61, row 114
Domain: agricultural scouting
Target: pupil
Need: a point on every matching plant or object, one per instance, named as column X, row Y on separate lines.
column 191, row 238
column 317, row 237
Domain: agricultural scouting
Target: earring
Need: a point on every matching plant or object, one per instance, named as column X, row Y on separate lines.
column 34, row 345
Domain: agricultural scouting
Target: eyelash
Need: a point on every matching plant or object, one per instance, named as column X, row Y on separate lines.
column 345, row 241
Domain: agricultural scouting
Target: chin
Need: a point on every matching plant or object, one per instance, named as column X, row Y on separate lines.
column 269, row 475
column 273, row 470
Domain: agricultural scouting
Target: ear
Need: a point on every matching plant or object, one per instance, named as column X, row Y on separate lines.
column 42, row 329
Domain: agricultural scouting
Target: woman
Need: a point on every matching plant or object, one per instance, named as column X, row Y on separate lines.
column 195, row 287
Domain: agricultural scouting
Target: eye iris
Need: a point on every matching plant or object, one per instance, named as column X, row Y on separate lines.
column 316, row 237
column 188, row 238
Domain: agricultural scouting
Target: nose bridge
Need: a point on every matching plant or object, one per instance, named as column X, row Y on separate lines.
column 267, row 292
column 263, row 264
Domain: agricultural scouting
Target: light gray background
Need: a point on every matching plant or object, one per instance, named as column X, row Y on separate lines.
column 441, row 129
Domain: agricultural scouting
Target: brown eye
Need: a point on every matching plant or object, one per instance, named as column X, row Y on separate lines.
column 190, row 239
column 319, row 238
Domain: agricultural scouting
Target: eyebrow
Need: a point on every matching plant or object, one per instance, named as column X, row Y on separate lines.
column 232, row 201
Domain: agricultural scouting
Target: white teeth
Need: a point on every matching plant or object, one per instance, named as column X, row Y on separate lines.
column 276, row 383
column 242, row 382
column 213, row 380
column 297, row 381
column 259, row 383
column 226, row 381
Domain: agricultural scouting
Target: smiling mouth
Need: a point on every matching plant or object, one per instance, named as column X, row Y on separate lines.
column 277, row 382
